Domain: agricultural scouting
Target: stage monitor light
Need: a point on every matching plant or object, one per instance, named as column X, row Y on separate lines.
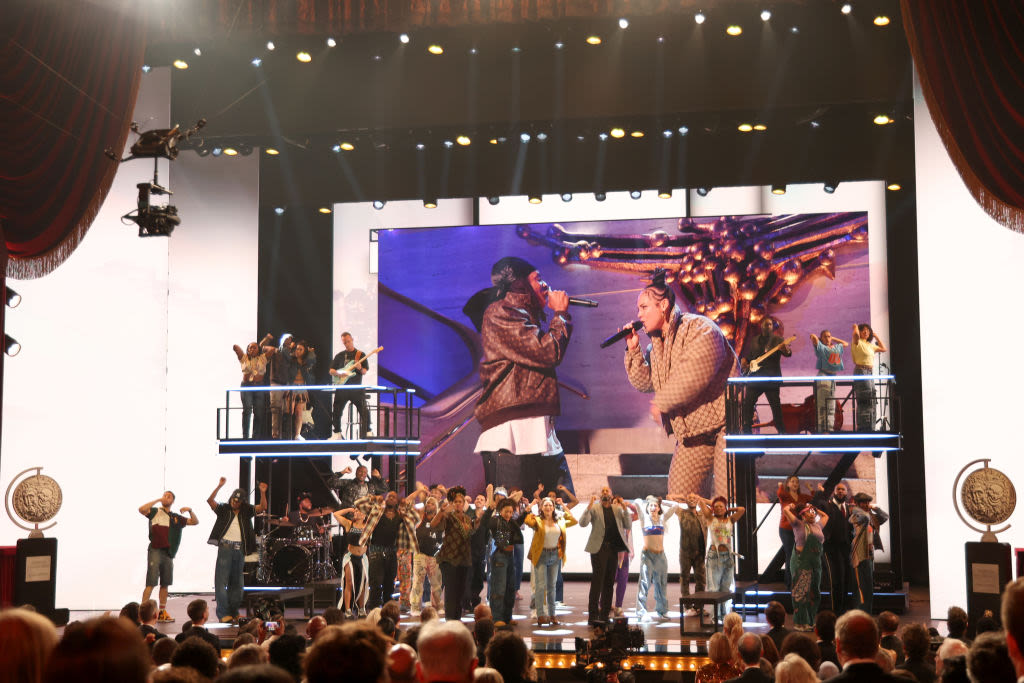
column 331, row 42
column 279, row 210
column 435, row 49
column 430, row 203
column 593, row 40
column 734, row 29
column 493, row 200
column 623, row 23
column 881, row 20
column 617, row 133
column 404, row 39
column 272, row 151
column 230, row 151
column 304, row 57
column 830, row 186
column 256, row 61
column 894, row 187
column 846, row 8
column 378, row 204
column 703, row 191
column 535, row 198
column 13, row 298
column 270, row 45
column 463, row 140
column 146, row 68
column 779, row 189
column 324, row 210
column 635, row 194
column 567, row 196
column 11, row 345
column 766, row 14
column 180, row 64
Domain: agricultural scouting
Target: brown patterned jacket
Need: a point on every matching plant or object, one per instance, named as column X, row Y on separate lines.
column 518, row 369
column 687, row 369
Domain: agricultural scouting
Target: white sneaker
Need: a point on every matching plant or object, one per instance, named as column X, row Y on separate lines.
column 690, row 613
column 646, row 618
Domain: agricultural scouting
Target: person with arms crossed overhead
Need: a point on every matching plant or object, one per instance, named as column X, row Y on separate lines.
column 164, row 537
column 828, row 352
column 757, row 363
column 254, row 362
column 234, row 536
column 865, row 345
column 348, row 368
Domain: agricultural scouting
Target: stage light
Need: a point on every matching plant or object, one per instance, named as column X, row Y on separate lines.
column 661, row 39
column 304, row 57
column 794, row 30
column 882, row 120
column 270, row 45
column 420, row 146
column 463, row 140
column 256, row 61
column 13, row 298
column 581, row 138
column 734, row 30
column 760, row 126
column 881, row 20
column 635, row 194
column 516, row 49
column 324, row 210
column 559, row 45
column 815, row 124
column 279, row 210
column 524, row 137
column 216, row 151
column 493, row 141
column 502, row 139
column 473, row 50
column 846, row 8
column 567, row 196
column 703, row 191
column 744, row 128
column 378, row 204
column 197, row 52
column 683, row 130
column 180, row 64
column 593, row 40
column 535, row 199
column 272, row 151
column 617, row 133
column 404, row 39
column 336, row 148
column 636, row 134
column 699, row 17
column 435, row 49
column 665, row 193
column 600, row 196
column 778, row 189
column 666, row 133
column 602, row 136
column 429, row 203
column 623, row 23
column 542, row 136
column 766, row 14
column 331, row 42
column 377, row 58
column 830, row 186
column 231, row 151
column 146, row 68
column 493, row 201
column 448, row 144
column 347, row 146
column 894, row 187
column 11, row 345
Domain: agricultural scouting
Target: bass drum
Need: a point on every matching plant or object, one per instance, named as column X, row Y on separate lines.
column 291, row 564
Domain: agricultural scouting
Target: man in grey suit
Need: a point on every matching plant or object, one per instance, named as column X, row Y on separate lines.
column 611, row 522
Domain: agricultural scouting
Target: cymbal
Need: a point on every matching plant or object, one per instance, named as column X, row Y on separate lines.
column 321, row 511
column 281, row 522
column 264, row 514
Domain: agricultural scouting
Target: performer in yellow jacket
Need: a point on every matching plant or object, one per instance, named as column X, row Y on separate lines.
column 547, row 552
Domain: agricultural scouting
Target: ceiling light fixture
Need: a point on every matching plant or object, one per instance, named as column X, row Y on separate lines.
column 270, row 45
column 881, row 20
column 304, row 57
column 893, row 187
column 463, row 140
column 435, row 49
column 744, row 128
column 331, row 42
column 699, row 17
column 429, row 203
column 703, row 191
column 623, row 23
column 279, row 210
column 636, row 134
column 665, row 193
column 734, row 29
column 324, row 210
column 493, row 200
column 13, row 298
column 635, row 194
column 230, row 151
column 593, row 40
column 846, row 8
column 600, row 196
column 567, row 196
column 778, row 189
column 256, row 61
column 272, row 151
column 404, row 39
column 11, row 345
column 617, row 133
column 347, row 146
column 882, row 120
column 378, row 204
column 830, row 186
column 180, row 64
column 760, row 126
column 535, row 199
column 766, row 14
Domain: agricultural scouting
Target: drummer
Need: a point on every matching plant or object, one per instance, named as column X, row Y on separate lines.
column 307, row 517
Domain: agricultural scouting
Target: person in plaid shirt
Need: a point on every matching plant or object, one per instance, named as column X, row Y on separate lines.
column 686, row 367
column 390, row 528
column 455, row 556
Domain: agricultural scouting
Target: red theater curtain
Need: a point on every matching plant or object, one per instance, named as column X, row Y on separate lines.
column 969, row 56
column 67, row 90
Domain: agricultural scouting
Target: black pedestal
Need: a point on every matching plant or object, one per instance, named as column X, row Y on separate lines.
column 35, row 577
column 988, row 572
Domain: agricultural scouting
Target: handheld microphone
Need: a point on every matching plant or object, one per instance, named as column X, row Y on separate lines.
column 577, row 301
column 621, row 334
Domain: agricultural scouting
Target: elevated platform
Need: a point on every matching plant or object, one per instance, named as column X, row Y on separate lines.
column 306, row 448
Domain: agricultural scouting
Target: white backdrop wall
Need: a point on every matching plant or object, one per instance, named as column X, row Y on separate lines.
column 969, row 408
column 126, row 352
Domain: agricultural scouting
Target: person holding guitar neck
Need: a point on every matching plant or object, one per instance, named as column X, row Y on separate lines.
column 763, row 359
column 350, row 356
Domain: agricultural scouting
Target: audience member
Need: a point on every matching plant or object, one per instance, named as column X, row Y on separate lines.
column 402, row 663
column 482, row 611
column 485, row 674
column 825, row 629
column 857, row 645
column 986, row 624
column 950, row 648
column 954, row 670
column 198, row 612
column 507, row 653
column 1012, row 614
column 769, row 652
column 163, row 650
column 885, row 660
column 315, row 625
column 249, row 654
column 775, row 615
column 26, row 641
column 178, row 674
column 749, row 649
column 732, row 627
column 98, row 651
column 447, row 653
column 721, row 667
column 802, row 644
column 200, row 655
column 286, row 652
column 794, row 669
column 354, row 652
column 988, row 660
column 483, row 631
column 888, row 624
column 258, row 673
column 956, row 623
column 387, row 627
column 392, row 611
column 334, row 616
column 243, row 639
column 131, row 612
column 427, row 614
column 147, row 617
column 917, row 653
column 411, row 635
column 829, row 670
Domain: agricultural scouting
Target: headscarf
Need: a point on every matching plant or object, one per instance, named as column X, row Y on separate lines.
column 509, row 274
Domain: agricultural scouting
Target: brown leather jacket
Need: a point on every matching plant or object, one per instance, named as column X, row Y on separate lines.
column 518, row 370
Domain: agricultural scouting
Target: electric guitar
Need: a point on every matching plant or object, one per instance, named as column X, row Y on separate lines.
column 755, row 364
column 349, row 368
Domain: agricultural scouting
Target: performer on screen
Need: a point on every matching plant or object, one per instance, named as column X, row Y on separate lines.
column 520, row 399
column 768, row 367
column 686, row 367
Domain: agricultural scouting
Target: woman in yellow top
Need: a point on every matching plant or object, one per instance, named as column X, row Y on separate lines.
column 865, row 345
column 547, row 552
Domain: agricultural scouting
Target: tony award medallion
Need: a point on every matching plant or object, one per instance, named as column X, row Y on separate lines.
column 987, row 495
column 36, row 500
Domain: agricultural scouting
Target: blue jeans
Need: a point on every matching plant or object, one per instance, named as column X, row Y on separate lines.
column 721, row 566
column 864, row 390
column 653, row 570
column 227, row 579
column 824, row 390
column 502, row 594
column 518, row 558
column 544, row 583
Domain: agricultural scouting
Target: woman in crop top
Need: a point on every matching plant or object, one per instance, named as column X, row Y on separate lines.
column 547, row 552
column 654, row 514
column 720, row 563
column 424, row 560
column 788, row 494
column 806, row 562
column 865, row 345
column 354, row 565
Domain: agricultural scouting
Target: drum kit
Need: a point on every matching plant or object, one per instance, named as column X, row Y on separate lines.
column 294, row 554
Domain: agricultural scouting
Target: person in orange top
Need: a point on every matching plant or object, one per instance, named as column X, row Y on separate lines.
column 721, row 667
column 790, row 495
column 547, row 552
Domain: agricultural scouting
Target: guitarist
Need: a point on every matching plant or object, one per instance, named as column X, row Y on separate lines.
column 342, row 398
column 768, row 367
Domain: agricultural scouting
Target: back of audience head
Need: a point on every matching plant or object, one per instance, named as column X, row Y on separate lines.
column 507, row 653
column 163, row 650
column 954, row 670
column 447, row 652
column 485, row 674
column 198, row 654
column 988, row 660
column 391, row 610
column 402, row 661
column 256, row 673
column 856, row 636
column 286, row 652
column 804, row 646
column 428, row 614
column 26, row 641
column 986, row 624
column 198, row 612
column 902, row 673
column 888, row 622
column 825, row 626
column 775, row 614
column 387, row 627
column 355, row 652
column 719, row 649
column 1012, row 614
column 916, row 642
column 315, row 625
column 243, row 639
column 411, row 635
column 148, row 611
column 950, row 648
column 334, row 616
column 248, row 654
column 956, row 622
column 483, row 631
column 749, row 649
column 131, row 612
column 768, row 649
column 828, row 669
column 102, row 649
column 885, row 660
column 732, row 627
column 794, row 669
column 482, row 611
column 178, row 674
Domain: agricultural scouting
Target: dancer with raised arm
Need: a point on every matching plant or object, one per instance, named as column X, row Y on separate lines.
column 547, row 553
column 807, row 522
column 721, row 565
column 865, row 345
column 354, row 564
